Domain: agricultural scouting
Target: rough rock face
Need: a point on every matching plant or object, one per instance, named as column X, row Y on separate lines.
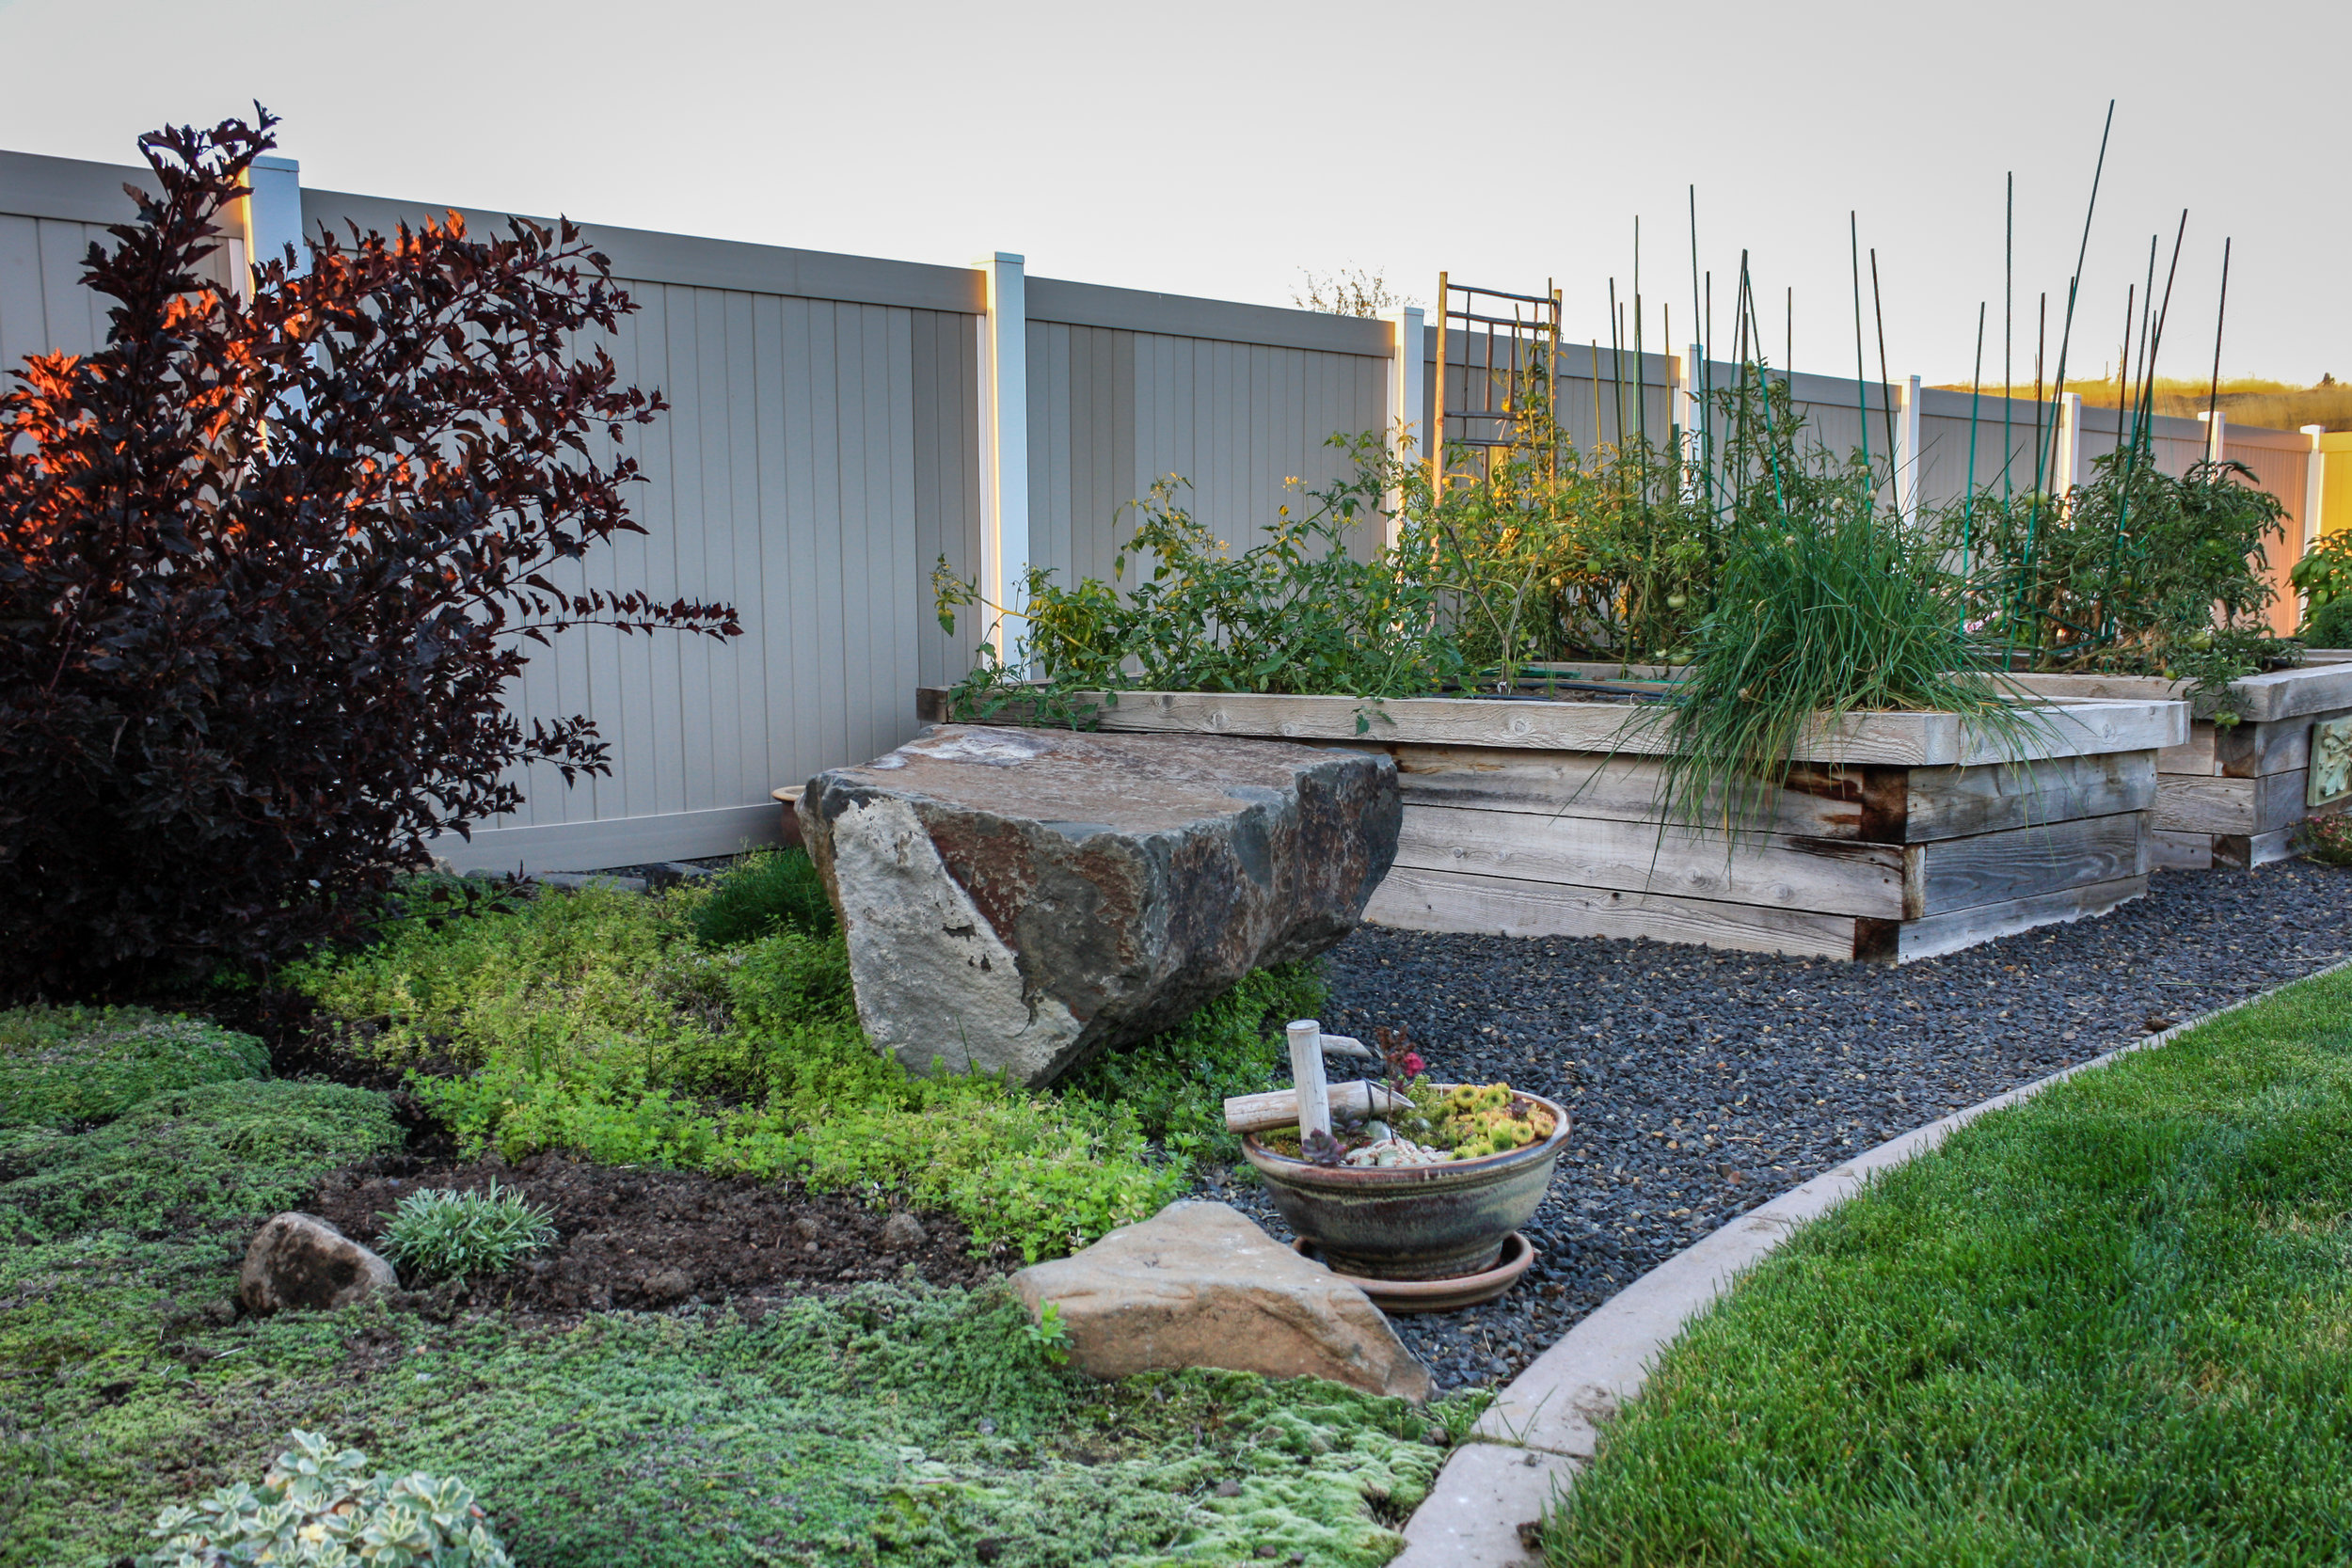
column 1017, row 900
column 1199, row 1284
column 299, row 1260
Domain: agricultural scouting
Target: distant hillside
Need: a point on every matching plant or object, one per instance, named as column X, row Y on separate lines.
column 2247, row 400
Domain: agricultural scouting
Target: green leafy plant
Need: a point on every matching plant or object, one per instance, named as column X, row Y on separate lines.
column 1176, row 1083
column 1538, row 550
column 772, row 890
column 2324, row 578
column 2328, row 626
column 1050, row 1335
column 1826, row 604
column 60, row 1065
column 320, row 1507
column 1533, row 552
column 1303, row 611
column 436, row 1234
column 2325, row 839
column 2138, row 572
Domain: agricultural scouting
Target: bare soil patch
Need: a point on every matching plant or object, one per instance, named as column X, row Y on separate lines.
column 649, row 1240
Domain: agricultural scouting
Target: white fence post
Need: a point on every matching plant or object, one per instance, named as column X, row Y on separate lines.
column 1907, row 451
column 1690, row 413
column 1406, row 392
column 1004, row 439
column 2314, row 488
column 2068, row 461
column 2216, row 434
column 272, row 214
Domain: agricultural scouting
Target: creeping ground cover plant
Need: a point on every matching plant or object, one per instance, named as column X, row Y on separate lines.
column 898, row 1425
column 607, row 1024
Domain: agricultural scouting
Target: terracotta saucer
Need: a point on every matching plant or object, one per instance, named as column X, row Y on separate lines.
column 1439, row 1295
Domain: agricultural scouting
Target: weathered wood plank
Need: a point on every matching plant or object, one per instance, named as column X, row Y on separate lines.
column 1957, row 803
column 2171, row 851
column 2245, row 851
column 1422, row 900
column 2298, row 693
column 2307, row 690
column 2076, row 687
column 2251, row 749
column 2193, row 756
column 1773, row 871
column 2021, row 863
column 1587, row 784
column 2279, row 801
column 1959, row 928
column 2261, row 805
column 1908, row 740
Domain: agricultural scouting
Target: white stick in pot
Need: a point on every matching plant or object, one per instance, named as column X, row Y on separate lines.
column 1314, row 1094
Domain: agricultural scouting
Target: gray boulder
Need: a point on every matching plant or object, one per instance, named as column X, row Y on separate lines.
column 1016, row 900
column 299, row 1260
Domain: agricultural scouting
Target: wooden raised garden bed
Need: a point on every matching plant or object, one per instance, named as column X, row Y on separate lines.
column 1920, row 838
column 2232, row 795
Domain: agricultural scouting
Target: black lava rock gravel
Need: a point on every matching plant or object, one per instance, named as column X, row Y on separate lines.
column 1701, row 1084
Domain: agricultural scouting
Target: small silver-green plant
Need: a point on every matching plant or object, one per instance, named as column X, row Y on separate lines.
column 319, row 1507
column 436, row 1234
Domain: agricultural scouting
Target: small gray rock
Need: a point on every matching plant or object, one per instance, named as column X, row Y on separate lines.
column 300, row 1262
column 904, row 1233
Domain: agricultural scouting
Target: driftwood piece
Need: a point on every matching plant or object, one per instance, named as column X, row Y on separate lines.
column 1260, row 1113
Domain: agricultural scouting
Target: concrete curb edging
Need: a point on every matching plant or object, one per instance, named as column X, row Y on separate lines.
column 1545, row 1427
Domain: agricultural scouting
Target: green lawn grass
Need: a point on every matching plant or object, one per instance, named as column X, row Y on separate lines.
column 2110, row 1326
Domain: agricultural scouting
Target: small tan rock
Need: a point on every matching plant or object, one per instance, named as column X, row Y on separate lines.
column 903, row 1233
column 1199, row 1284
column 299, row 1260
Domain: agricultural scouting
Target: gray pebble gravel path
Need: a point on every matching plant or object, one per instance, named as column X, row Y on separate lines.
column 1701, row 1084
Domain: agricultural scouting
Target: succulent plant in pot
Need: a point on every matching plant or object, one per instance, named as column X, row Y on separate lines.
column 1430, row 1188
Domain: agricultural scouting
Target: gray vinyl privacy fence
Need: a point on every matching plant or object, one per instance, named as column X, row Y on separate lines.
column 840, row 422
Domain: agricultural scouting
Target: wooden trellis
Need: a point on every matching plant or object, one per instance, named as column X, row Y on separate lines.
column 1505, row 338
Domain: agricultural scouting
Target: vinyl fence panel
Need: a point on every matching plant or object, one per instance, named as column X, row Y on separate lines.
column 824, row 451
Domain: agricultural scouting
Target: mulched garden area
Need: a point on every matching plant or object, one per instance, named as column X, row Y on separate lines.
column 655, row 1238
column 1702, row 1084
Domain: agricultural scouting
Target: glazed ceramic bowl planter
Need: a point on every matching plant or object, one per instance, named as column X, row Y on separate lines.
column 1413, row 1222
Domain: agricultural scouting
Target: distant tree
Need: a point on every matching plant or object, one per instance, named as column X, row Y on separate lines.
column 267, row 566
column 1349, row 292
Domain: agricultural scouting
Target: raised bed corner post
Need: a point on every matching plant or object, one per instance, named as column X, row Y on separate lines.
column 1314, row 1093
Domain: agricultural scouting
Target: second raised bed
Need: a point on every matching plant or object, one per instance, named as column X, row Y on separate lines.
column 1899, row 836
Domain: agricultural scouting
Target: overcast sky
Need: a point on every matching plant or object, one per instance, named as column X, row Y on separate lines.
column 1219, row 149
